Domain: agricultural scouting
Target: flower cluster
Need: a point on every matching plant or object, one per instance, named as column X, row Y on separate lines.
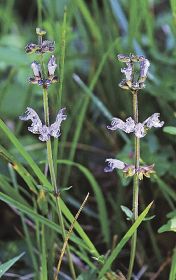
column 44, row 47
column 139, row 129
column 130, row 125
column 41, row 48
column 37, row 78
column 129, row 169
column 130, row 82
column 45, row 132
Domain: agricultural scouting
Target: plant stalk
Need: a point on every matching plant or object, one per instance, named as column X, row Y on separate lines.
column 54, row 183
column 135, row 187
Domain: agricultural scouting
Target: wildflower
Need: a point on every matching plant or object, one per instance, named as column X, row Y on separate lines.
column 153, row 121
column 115, row 124
column 37, row 79
column 44, row 133
column 32, row 48
column 55, row 127
column 36, row 125
column 139, row 130
column 114, row 163
column 144, row 65
column 127, row 126
column 128, row 71
column 36, row 68
column 52, row 66
column 129, row 82
column 51, row 71
column 38, row 128
column 128, row 169
column 145, row 171
column 47, row 46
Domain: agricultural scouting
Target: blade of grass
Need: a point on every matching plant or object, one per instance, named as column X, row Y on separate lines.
column 93, row 27
column 172, row 275
column 102, row 210
column 68, row 236
column 44, row 271
column 121, row 244
column 28, row 179
column 173, row 7
column 29, row 244
column 61, row 79
column 5, row 266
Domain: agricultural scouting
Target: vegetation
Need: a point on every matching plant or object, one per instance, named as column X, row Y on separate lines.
column 96, row 207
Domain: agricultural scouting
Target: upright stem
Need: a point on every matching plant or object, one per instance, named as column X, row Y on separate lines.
column 54, row 183
column 135, row 187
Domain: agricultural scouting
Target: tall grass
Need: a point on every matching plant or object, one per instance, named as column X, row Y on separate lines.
column 88, row 36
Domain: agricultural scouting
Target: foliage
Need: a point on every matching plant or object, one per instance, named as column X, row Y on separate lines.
column 88, row 36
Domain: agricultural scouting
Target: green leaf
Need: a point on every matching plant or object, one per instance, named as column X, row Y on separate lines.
column 149, row 218
column 123, row 241
column 170, row 226
column 5, row 266
column 127, row 212
column 170, row 130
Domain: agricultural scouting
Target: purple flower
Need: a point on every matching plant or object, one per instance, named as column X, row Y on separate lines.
column 45, row 46
column 153, row 121
column 116, row 123
column 145, row 170
column 44, row 131
column 52, row 66
column 139, row 130
column 144, row 65
column 36, row 125
column 36, row 69
column 128, row 71
column 127, row 169
column 130, row 82
column 129, row 125
column 55, row 127
column 114, row 163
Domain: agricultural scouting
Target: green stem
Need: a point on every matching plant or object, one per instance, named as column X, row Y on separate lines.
column 135, row 187
column 54, row 183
